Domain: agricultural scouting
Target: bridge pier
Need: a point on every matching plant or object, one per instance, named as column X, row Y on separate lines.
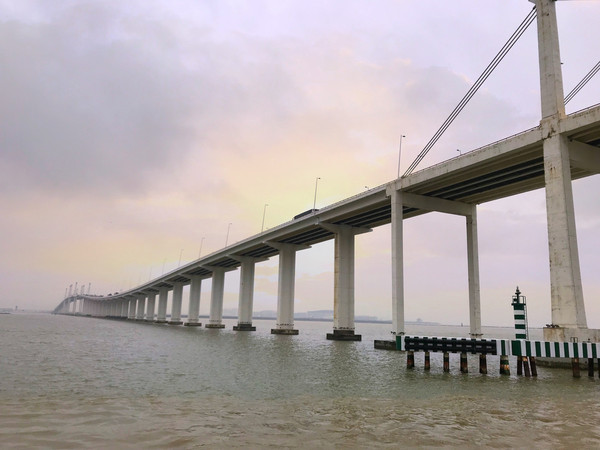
column 397, row 262
column 216, row 298
column 246, row 301
column 194, row 306
column 132, row 306
column 286, row 287
column 163, row 295
column 150, row 307
column 141, row 306
column 343, row 297
column 124, row 309
column 568, row 308
column 399, row 199
column 176, row 304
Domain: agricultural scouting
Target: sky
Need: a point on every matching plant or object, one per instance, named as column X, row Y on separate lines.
column 133, row 133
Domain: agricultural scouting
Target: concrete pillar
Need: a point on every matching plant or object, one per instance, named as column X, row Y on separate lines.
column 161, row 315
column 194, row 306
column 551, row 83
column 141, row 307
column 397, row 263
column 286, row 287
column 124, row 308
column 132, row 306
column 473, row 275
column 176, row 305
column 246, row 301
column 151, row 307
column 343, row 303
column 568, row 309
column 216, row 298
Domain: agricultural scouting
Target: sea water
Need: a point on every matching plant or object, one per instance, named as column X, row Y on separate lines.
column 79, row 382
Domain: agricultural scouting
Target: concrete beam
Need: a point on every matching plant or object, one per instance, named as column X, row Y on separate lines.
column 584, row 156
column 436, row 204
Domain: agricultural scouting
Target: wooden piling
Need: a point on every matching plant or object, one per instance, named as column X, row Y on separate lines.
column 504, row 365
column 526, row 366
column 533, row 366
column 519, row 366
column 591, row 367
column 427, row 361
column 410, row 359
column 446, row 362
column 482, row 363
column 575, row 366
column 464, row 366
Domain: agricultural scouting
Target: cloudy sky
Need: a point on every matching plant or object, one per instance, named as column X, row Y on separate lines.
column 132, row 133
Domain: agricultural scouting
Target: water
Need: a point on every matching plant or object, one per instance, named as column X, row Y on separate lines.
column 75, row 382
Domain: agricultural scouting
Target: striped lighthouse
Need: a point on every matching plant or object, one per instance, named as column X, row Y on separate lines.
column 519, row 304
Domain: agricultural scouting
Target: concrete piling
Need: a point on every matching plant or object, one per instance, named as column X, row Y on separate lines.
column 410, row 359
column 483, row 363
column 575, row 366
column 464, row 366
column 504, row 365
column 533, row 366
column 526, row 366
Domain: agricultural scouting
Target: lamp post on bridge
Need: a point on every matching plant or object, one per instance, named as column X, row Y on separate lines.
column 200, row 251
column 316, row 185
column 227, row 237
column 262, row 228
column 400, row 153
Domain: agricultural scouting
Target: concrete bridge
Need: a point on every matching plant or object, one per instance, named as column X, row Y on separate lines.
column 560, row 149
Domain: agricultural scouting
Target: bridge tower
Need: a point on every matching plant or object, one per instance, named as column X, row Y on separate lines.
column 568, row 309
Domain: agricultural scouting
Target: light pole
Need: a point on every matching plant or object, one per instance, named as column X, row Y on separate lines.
column 200, row 251
column 227, row 237
column 316, row 185
column 263, row 222
column 180, row 253
column 400, row 153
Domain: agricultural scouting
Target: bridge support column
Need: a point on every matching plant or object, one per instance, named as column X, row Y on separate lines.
column 286, row 287
column 397, row 263
column 568, row 309
column 151, row 307
column 132, row 306
column 141, row 307
column 216, row 298
column 343, row 292
column 176, row 305
column 246, row 301
column 194, row 306
column 124, row 308
column 163, row 295
column 473, row 269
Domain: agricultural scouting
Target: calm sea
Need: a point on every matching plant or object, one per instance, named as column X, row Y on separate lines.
column 75, row 382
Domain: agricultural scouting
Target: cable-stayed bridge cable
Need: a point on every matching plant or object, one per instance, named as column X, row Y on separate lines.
column 582, row 83
column 486, row 73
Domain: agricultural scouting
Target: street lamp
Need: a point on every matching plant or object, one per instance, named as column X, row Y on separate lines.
column 263, row 221
column 180, row 253
column 227, row 237
column 400, row 153
column 200, row 251
column 316, row 185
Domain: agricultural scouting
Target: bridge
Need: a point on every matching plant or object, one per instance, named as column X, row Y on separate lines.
column 560, row 149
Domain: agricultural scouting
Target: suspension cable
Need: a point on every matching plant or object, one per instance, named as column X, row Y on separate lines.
column 486, row 73
column 582, row 83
